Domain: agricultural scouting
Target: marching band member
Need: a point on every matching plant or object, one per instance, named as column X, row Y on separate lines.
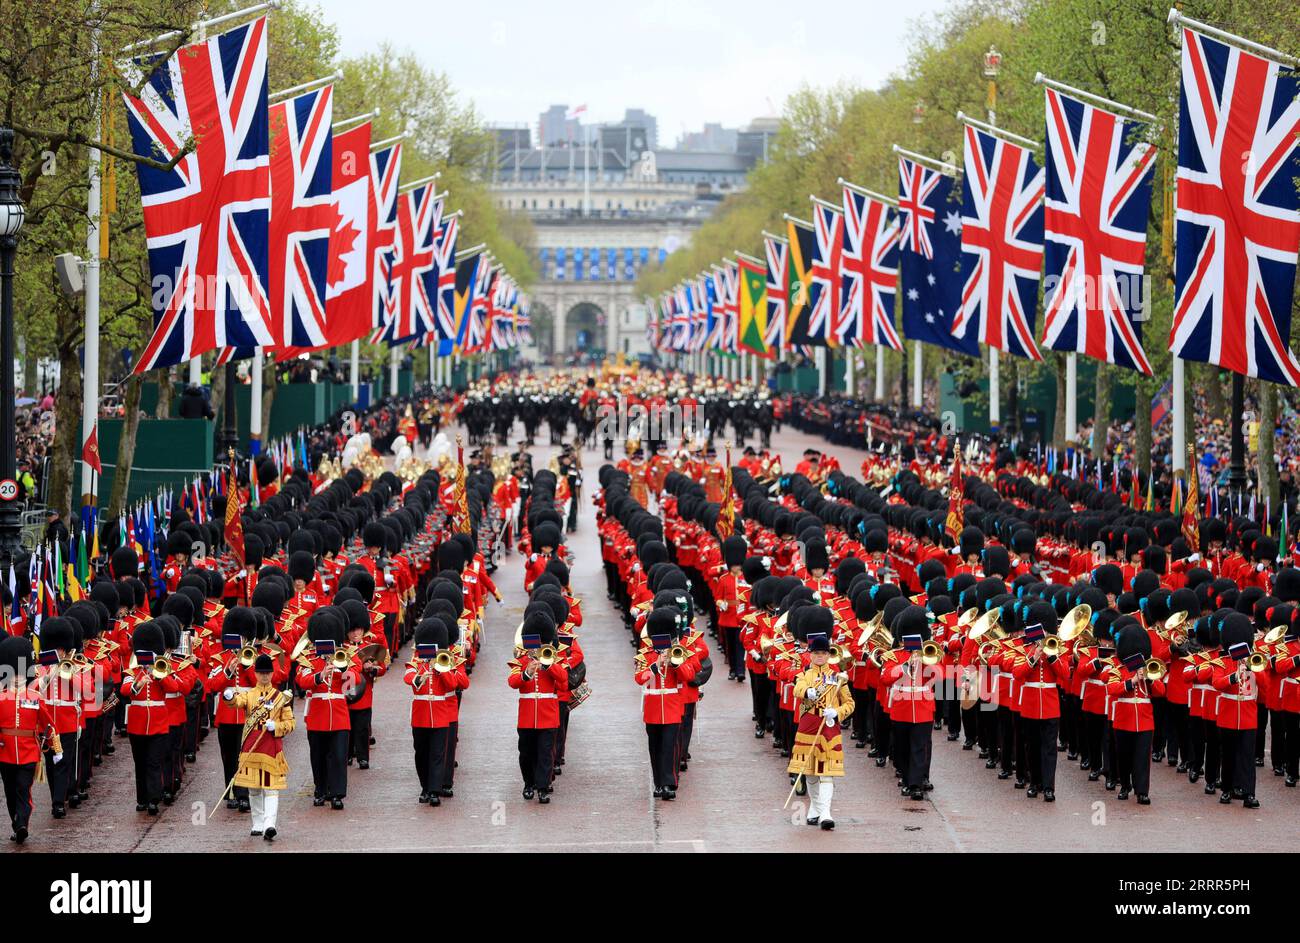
column 148, row 722
column 1130, row 686
column 661, row 673
column 910, row 682
column 435, row 705
column 538, row 676
column 1040, row 673
column 27, row 728
column 263, row 768
column 326, row 674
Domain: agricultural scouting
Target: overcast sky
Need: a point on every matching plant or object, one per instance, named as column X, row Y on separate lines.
column 684, row 61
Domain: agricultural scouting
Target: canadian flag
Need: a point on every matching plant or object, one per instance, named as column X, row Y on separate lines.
column 348, row 288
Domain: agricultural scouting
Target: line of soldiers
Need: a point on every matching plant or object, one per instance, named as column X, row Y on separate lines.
column 339, row 569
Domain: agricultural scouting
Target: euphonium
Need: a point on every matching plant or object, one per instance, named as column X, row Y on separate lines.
column 1076, row 623
column 1172, row 630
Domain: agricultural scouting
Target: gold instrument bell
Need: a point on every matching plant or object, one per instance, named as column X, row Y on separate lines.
column 161, row 668
column 1076, row 623
column 1257, row 661
column 443, row 662
column 1154, row 669
column 931, row 653
column 988, row 624
column 247, row 655
column 677, row 655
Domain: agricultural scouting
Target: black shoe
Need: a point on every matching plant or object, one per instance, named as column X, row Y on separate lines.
column 169, row 798
column 1006, row 774
column 968, row 745
column 446, row 793
column 1049, row 795
column 1250, row 802
column 1094, row 776
column 659, row 792
column 244, row 806
column 812, row 820
column 1157, row 756
column 58, row 811
column 1123, row 794
column 1211, row 789
column 269, row 835
column 682, row 766
column 1259, row 761
column 74, row 800
column 669, row 794
column 434, row 800
column 938, row 725
column 758, row 733
column 1182, row 767
column 232, row 803
column 20, row 834
column 860, row 745
column 152, row 808
column 1110, row 785
column 1072, row 756
column 254, row 834
column 1173, row 761
column 544, row 798
column 363, row 764
column 529, row 792
column 827, row 825
column 1290, row 782
column 952, row 737
column 1031, row 792
column 916, row 794
column 1143, row 800
column 1193, row 775
column 1277, row 771
column 801, row 787
column 140, row 807
column 927, row 785
column 372, row 741
column 336, row 804
column 990, row 763
column 424, row 797
column 1226, row 798
column 880, row 762
column 984, row 754
column 109, row 749
column 874, row 753
column 556, row 771
column 1020, row 783
column 318, row 802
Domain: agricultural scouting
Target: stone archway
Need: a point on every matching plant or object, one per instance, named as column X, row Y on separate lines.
column 584, row 328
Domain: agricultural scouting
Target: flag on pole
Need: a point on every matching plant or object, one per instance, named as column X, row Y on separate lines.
column 751, row 331
column 870, row 266
column 1238, row 211
column 385, row 168
column 956, row 497
column 348, row 290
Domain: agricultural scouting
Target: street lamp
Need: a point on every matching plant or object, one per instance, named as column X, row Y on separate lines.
column 12, row 214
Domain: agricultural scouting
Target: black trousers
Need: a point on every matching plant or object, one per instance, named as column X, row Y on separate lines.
column 537, row 757
column 229, row 739
column 148, row 751
column 858, row 723
column 453, row 738
column 735, row 652
column 192, row 717
column 952, row 715
column 1159, row 713
column 329, row 762
column 1278, row 737
column 1133, row 760
column 970, row 721
column 61, row 776
column 882, row 725
column 17, row 779
column 1007, row 739
column 359, row 735
column 1176, row 731
column 1071, row 723
column 687, row 727
column 1291, row 722
column 987, row 725
column 1094, row 740
column 174, row 762
column 85, row 752
column 760, row 696
column 663, row 754
column 1237, row 759
column 914, row 743
column 1040, row 750
column 1261, row 729
column 562, row 737
column 431, row 756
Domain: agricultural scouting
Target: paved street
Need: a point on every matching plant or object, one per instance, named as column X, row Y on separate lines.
column 731, row 798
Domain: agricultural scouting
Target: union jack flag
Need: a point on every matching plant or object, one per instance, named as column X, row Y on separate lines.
column 206, row 220
column 1238, row 212
column 699, row 298
column 826, row 294
column 1098, row 193
column 385, row 168
column 1002, row 244
column 870, row 266
column 302, row 216
column 713, row 289
column 412, row 281
column 444, row 260
column 777, row 252
column 916, row 186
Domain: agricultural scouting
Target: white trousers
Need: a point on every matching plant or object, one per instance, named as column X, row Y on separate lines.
column 820, row 790
column 265, row 803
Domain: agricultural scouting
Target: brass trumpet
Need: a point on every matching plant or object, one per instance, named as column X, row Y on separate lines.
column 546, row 655
column 838, row 655
column 1154, row 669
column 340, row 660
column 1052, row 646
column 677, row 655
column 247, row 656
column 162, row 668
column 931, row 653
column 1257, row 661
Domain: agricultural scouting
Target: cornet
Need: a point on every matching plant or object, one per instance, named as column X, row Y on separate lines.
column 677, row 655
column 1154, row 669
column 931, row 653
column 1052, row 646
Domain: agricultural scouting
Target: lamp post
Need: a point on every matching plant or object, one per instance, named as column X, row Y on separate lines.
column 12, row 213
column 229, row 442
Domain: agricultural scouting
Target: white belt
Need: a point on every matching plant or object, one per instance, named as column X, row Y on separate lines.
column 539, row 696
column 437, row 697
column 64, row 703
column 147, row 704
column 1038, row 684
column 326, row 697
column 1291, row 680
column 171, row 695
column 1133, row 700
column 1088, row 681
column 1202, row 687
column 649, row 691
column 1238, row 697
column 910, row 688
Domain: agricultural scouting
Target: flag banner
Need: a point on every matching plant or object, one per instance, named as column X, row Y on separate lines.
column 302, row 215
column 730, row 307
column 1237, row 222
column 206, row 220
column 385, row 168
column 348, row 288
column 713, row 303
column 412, row 278
column 1002, row 244
column 444, row 261
column 1098, row 194
column 801, row 241
column 826, row 296
column 751, row 324
column 467, row 283
column 1162, row 404
column 776, row 253
column 870, row 263
column 930, row 257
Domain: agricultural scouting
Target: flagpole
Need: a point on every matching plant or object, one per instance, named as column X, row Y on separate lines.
column 392, row 371
column 90, row 367
column 880, row 373
column 1071, row 398
column 917, row 383
column 255, row 404
column 355, row 370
